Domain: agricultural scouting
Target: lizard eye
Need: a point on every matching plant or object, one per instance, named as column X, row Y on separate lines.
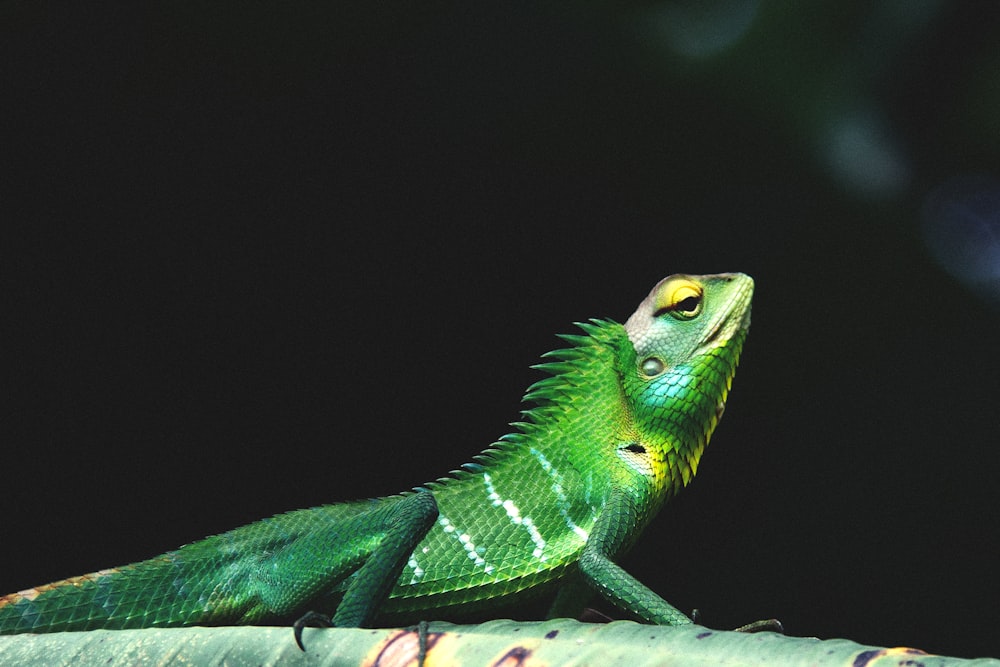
column 689, row 305
column 681, row 298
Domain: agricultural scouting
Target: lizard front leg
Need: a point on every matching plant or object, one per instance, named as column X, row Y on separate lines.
column 607, row 578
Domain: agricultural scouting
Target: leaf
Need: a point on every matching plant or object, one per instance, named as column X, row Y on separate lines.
column 500, row 643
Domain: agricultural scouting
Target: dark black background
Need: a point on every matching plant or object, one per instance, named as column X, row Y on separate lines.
column 257, row 259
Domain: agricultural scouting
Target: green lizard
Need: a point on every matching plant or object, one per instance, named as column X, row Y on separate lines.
column 617, row 427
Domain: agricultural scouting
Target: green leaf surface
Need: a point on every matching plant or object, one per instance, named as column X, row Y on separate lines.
column 562, row 642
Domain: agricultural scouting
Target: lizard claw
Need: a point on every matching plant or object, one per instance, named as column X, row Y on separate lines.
column 309, row 618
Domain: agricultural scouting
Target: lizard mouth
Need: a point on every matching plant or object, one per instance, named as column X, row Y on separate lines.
column 728, row 325
column 724, row 329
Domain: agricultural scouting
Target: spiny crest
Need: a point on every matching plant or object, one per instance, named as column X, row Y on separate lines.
column 567, row 374
column 567, row 360
column 545, row 393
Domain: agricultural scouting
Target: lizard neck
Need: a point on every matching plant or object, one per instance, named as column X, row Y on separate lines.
column 597, row 416
column 677, row 412
column 596, row 425
column 572, row 434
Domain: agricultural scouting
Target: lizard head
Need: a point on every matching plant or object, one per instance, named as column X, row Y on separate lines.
column 686, row 336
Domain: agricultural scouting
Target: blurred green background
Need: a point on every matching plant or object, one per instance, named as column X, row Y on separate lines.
column 261, row 257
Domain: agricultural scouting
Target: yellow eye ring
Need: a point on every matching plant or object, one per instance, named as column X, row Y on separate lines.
column 681, row 298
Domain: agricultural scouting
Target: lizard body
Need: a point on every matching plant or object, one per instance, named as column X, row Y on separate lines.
column 617, row 427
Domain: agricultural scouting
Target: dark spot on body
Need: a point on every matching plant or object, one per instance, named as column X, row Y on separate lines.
column 702, row 635
column 551, row 634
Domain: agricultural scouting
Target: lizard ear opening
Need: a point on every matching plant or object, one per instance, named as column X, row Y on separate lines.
column 652, row 366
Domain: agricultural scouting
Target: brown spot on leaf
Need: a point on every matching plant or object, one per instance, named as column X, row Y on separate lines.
column 403, row 648
column 866, row 657
column 515, row 657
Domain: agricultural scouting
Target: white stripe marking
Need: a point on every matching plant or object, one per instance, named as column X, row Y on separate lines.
column 471, row 550
column 557, row 488
column 418, row 572
column 515, row 516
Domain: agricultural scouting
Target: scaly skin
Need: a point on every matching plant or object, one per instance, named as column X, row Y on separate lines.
column 617, row 428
